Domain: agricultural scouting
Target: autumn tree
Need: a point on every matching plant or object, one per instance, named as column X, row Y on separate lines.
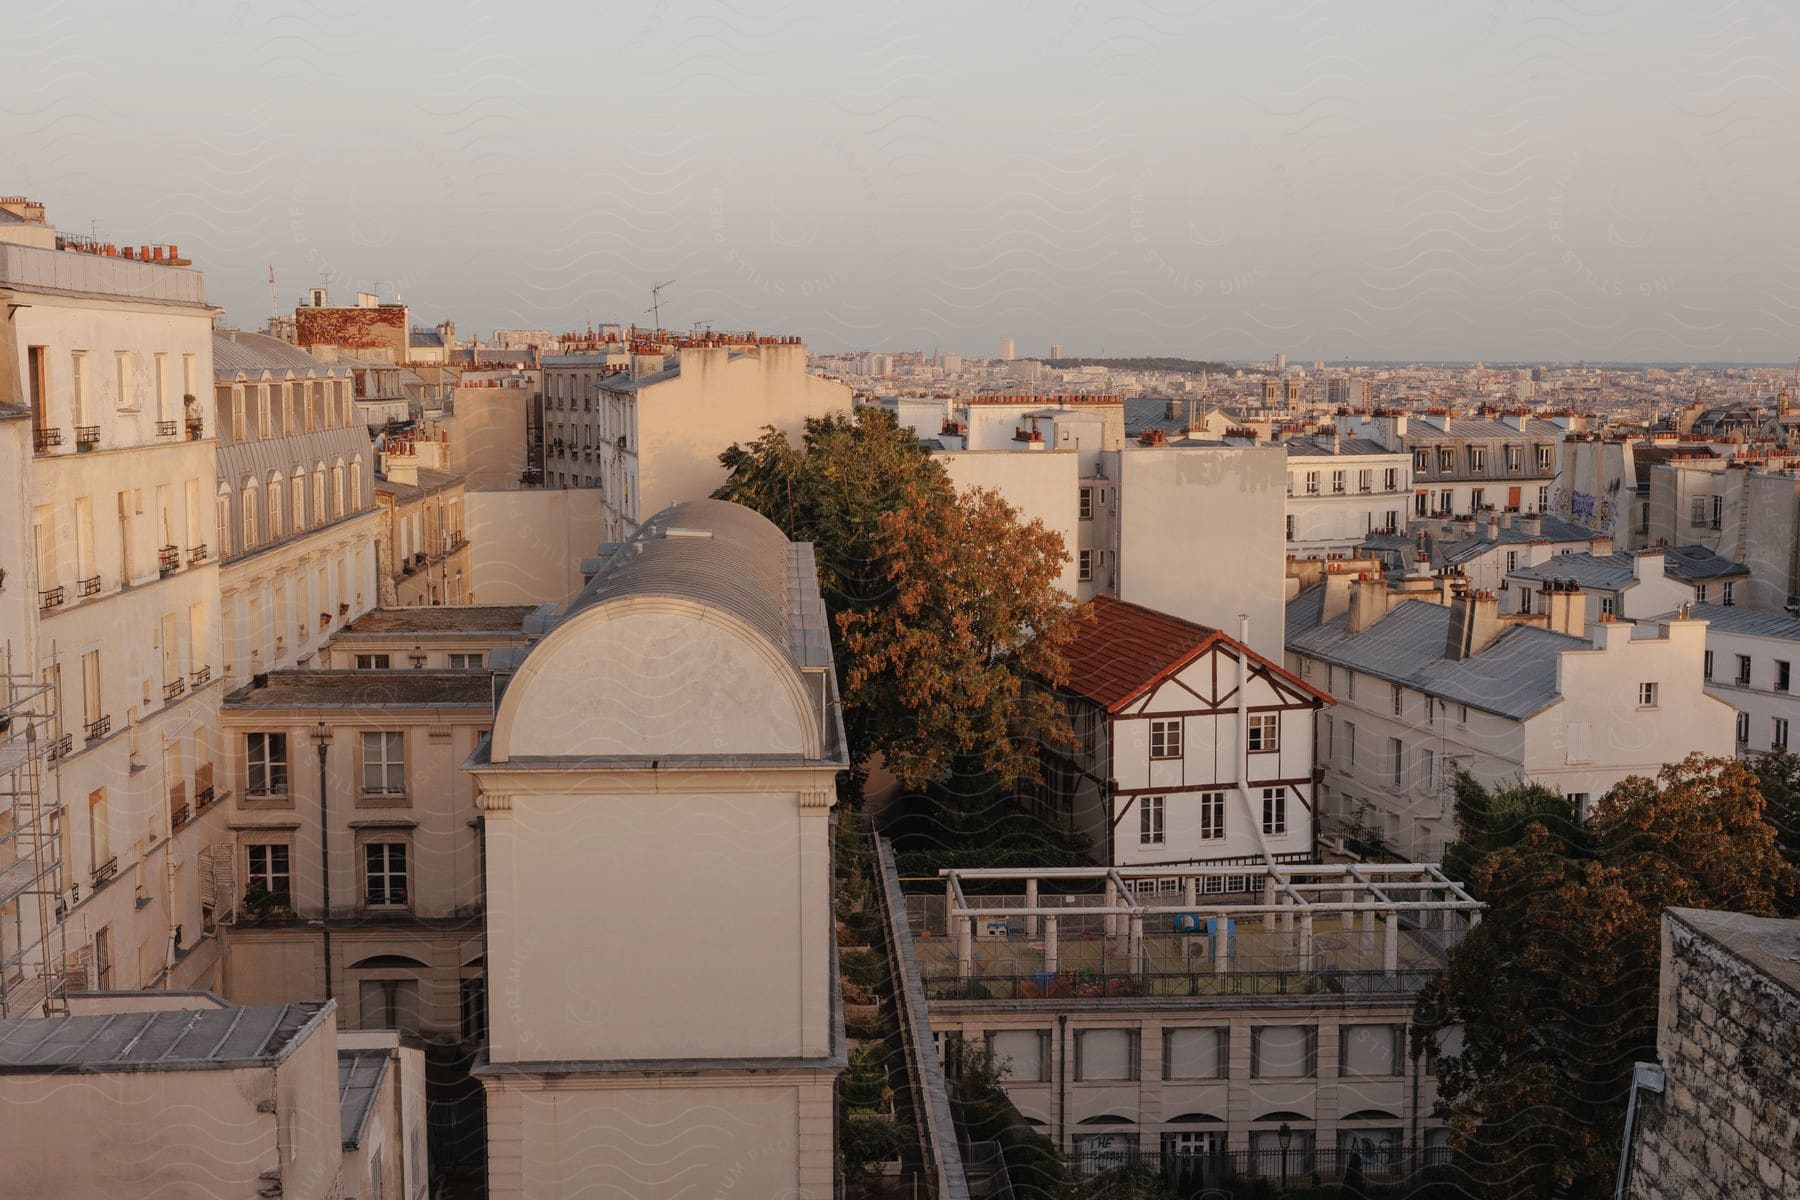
column 1556, row 988
column 946, row 615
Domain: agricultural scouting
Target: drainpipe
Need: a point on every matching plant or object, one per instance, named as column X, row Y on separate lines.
column 1062, row 1082
column 1644, row 1077
column 1243, row 735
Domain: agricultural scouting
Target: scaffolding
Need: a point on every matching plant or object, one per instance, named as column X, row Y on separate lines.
column 32, row 943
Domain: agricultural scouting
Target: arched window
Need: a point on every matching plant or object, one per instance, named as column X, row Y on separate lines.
column 250, row 515
column 276, row 500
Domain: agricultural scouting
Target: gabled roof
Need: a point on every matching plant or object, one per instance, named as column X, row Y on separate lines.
column 1614, row 572
column 1123, row 650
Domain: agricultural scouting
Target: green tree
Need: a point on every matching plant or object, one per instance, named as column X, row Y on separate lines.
column 1778, row 778
column 1556, row 988
column 945, row 608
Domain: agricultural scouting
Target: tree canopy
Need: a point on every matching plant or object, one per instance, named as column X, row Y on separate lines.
column 945, row 608
column 1556, row 988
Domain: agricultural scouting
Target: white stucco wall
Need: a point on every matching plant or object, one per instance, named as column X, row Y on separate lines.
column 1042, row 485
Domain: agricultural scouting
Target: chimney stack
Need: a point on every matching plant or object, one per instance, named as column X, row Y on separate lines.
column 1368, row 602
column 1566, row 606
column 1474, row 624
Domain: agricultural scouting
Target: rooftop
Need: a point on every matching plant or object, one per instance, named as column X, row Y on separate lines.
column 1612, row 572
column 440, row 618
column 165, row 1040
column 372, row 690
column 1480, row 427
column 430, row 480
column 360, row 1075
column 1749, row 621
column 1319, row 445
column 238, row 354
column 1125, row 649
column 1516, row 676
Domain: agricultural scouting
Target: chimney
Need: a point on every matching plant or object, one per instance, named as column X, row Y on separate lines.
column 1566, row 605
column 1474, row 624
column 1531, row 523
column 1647, row 565
column 1337, row 596
column 1368, row 601
column 1491, row 528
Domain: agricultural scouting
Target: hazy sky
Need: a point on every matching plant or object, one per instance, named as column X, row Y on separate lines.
column 1397, row 180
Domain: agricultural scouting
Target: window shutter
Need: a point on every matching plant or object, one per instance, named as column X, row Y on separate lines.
column 1224, row 1052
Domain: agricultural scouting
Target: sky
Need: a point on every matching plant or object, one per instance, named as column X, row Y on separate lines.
column 1511, row 181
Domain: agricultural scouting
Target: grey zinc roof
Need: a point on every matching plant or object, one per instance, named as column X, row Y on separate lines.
column 165, row 1040
column 1748, row 621
column 728, row 557
column 1697, row 562
column 236, row 352
column 360, row 1074
column 1514, row 677
column 1480, row 428
column 1612, row 572
column 1317, row 446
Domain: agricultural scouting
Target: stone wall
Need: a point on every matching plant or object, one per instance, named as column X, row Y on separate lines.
column 1728, row 1032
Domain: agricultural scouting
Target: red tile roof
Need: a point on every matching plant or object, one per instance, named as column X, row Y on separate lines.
column 1126, row 649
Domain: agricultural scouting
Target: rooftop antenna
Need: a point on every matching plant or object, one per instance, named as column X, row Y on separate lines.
column 655, row 309
column 274, row 304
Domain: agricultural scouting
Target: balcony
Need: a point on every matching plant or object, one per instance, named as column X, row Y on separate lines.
column 178, row 817
column 203, row 797
column 99, row 727
column 50, row 598
column 168, row 428
column 174, row 689
column 86, row 437
column 62, row 747
column 197, row 555
column 106, row 870
column 203, row 786
column 89, row 586
column 44, row 440
column 201, row 677
column 168, row 560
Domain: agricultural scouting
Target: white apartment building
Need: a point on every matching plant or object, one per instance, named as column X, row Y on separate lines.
column 297, row 524
column 1463, row 465
column 1341, row 490
column 1746, row 510
column 645, row 419
column 109, row 355
column 1750, row 661
column 1626, row 585
column 656, row 812
column 1429, row 683
column 1189, row 746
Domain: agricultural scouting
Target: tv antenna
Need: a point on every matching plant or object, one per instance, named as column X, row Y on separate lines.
column 655, row 309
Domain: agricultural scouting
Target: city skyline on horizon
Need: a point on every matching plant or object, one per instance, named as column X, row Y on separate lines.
column 1585, row 186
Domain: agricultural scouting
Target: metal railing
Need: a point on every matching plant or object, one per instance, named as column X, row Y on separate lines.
column 168, row 560
column 45, row 439
column 1383, row 1166
column 51, row 597
column 1202, row 981
column 197, row 554
column 168, row 428
column 174, row 688
column 201, row 677
column 99, row 727
column 87, row 435
column 89, row 586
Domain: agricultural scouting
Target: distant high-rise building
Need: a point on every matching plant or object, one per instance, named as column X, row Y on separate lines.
column 1055, row 351
column 1281, row 362
column 952, row 364
column 1365, row 393
column 1337, row 391
column 1006, row 349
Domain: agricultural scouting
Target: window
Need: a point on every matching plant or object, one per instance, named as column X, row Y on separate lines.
column 1446, row 460
column 1274, row 811
column 1265, row 732
column 384, row 763
column 1728, row 597
column 390, row 1004
column 1312, row 483
column 1349, row 685
column 1743, row 729
column 1421, row 460
column 1743, row 670
column 1781, row 672
column 1102, row 1054
column 1706, row 666
column 466, row 662
column 1544, row 504
column 1150, row 821
column 1284, row 1052
column 1290, row 527
column 1084, row 568
column 1212, row 816
column 1462, row 714
column 1165, row 739
column 1512, row 561
column 1524, row 599
column 1515, row 459
column 1698, row 513
column 1431, row 705
column 1197, row 1053
column 1396, row 759
column 1398, row 700
column 1778, row 738
column 1700, row 593
column 1428, row 768
column 268, row 865
column 103, row 959
column 1477, row 499
column 384, row 873
column 1021, row 1055
column 1609, row 607
column 1477, row 459
column 1087, row 504
column 1337, row 482
column 373, row 662
column 1646, row 695
column 1390, row 479
column 266, row 756
column 1371, row 1050
column 1545, row 459
column 474, row 1024
column 1350, row 743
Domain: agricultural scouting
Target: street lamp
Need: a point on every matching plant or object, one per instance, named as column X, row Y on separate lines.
column 1284, row 1137
column 321, row 737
